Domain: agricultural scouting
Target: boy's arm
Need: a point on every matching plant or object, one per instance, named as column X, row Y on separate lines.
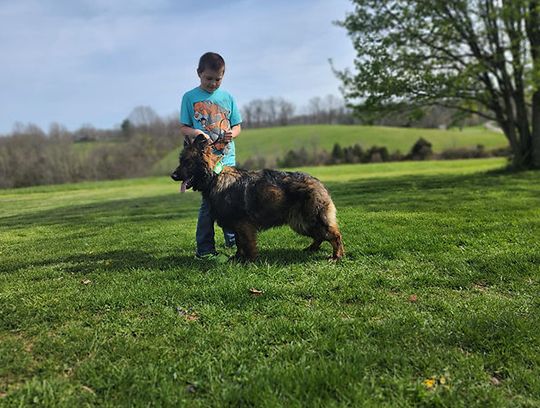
column 233, row 133
column 191, row 133
column 186, row 120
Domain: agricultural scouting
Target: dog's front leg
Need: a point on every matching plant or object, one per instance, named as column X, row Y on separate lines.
column 239, row 255
column 246, row 241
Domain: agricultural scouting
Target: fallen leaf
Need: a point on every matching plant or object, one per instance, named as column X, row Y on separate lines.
column 481, row 286
column 413, row 298
column 88, row 389
column 191, row 388
column 256, row 292
column 495, row 381
column 192, row 317
column 86, row 281
column 188, row 314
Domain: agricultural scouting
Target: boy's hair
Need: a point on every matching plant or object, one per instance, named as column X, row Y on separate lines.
column 212, row 61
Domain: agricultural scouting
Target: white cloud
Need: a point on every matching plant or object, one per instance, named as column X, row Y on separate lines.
column 93, row 61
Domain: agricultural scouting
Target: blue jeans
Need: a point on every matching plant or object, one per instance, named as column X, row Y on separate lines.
column 205, row 232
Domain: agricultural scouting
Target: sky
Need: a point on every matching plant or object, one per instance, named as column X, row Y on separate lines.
column 90, row 62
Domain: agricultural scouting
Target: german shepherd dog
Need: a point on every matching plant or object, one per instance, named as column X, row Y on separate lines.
column 248, row 201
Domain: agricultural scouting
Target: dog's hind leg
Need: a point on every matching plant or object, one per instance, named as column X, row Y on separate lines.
column 337, row 243
column 330, row 231
column 315, row 245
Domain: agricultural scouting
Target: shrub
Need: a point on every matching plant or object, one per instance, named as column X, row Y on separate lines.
column 421, row 150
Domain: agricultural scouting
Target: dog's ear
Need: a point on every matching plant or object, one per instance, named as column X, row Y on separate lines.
column 200, row 141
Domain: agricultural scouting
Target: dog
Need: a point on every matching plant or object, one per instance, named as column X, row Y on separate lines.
column 250, row 201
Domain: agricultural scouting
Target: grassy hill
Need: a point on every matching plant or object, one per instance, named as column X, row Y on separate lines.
column 435, row 304
column 275, row 142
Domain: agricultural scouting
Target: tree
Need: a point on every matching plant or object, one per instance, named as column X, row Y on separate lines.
column 476, row 56
column 143, row 116
column 286, row 111
column 127, row 128
column 315, row 109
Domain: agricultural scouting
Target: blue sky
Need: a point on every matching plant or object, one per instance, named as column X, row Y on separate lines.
column 92, row 61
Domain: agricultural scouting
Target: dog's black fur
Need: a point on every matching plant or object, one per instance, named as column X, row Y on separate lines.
column 248, row 201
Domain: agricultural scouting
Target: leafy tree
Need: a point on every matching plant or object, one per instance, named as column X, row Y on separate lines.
column 478, row 56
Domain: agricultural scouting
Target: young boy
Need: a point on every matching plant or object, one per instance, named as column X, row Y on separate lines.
column 212, row 112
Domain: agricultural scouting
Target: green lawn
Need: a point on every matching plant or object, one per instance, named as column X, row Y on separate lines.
column 273, row 143
column 435, row 304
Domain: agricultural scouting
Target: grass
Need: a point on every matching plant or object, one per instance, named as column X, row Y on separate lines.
column 272, row 143
column 436, row 303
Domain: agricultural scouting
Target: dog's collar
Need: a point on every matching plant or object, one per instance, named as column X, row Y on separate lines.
column 218, row 168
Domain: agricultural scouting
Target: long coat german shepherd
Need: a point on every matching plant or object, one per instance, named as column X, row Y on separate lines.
column 248, row 201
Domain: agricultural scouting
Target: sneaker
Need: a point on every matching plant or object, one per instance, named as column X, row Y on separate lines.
column 219, row 258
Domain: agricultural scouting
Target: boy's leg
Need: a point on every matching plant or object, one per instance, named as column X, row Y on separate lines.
column 230, row 239
column 205, row 231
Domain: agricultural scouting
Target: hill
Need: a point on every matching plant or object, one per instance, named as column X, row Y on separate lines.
column 275, row 142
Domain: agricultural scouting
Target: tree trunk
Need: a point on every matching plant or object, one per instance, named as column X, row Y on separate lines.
column 535, row 136
column 533, row 32
column 520, row 158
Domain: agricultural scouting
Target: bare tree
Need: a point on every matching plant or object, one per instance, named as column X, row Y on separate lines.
column 143, row 116
column 286, row 111
column 315, row 108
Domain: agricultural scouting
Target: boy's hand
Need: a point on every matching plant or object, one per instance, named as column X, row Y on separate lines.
column 219, row 145
column 227, row 136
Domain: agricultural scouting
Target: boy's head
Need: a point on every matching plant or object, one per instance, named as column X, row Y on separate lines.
column 211, row 70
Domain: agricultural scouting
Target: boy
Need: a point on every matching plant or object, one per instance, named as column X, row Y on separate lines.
column 212, row 112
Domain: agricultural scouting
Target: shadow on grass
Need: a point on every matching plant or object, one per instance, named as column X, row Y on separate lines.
column 290, row 256
column 163, row 207
column 125, row 260
column 112, row 262
column 422, row 193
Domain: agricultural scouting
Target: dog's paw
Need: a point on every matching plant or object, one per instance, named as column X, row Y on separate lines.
column 334, row 259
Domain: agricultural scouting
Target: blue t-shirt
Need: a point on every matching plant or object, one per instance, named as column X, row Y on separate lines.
column 213, row 113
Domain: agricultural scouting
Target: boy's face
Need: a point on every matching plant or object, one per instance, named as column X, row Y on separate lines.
column 210, row 79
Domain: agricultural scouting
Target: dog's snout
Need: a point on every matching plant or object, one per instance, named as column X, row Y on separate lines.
column 175, row 176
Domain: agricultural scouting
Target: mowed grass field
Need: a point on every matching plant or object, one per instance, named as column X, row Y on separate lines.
column 436, row 303
column 275, row 142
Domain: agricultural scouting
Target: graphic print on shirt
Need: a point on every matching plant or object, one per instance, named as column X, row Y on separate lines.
column 212, row 118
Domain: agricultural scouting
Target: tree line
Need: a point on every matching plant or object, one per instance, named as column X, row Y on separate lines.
column 280, row 112
column 30, row 156
column 333, row 110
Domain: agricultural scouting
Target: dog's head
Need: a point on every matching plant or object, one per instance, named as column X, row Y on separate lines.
column 196, row 163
